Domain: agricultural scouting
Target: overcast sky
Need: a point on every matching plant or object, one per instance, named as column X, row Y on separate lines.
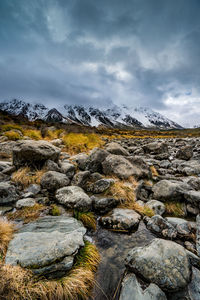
column 98, row 52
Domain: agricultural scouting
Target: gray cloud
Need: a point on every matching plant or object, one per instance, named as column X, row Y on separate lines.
column 93, row 52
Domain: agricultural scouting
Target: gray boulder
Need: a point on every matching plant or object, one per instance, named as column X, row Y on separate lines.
column 104, row 205
column 115, row 148
column 157, row 206
column 74, row 197
column 159, row 225
column 162, row 262
column 131, row 290
column 26, row 202
column 185, row 153
column 117, row 165
column 33, row 189
column 68, row 169
column 34, row 153
column 80, row 159
column 155, row 148
column 50, row 165
column 198, row 235
column 100, row 186
column 193, row 197
column 166, row 190
column 95, row 159
column 44, row 242
column 121, row 219
column 189, row 168
column 52, row 180
column 8, row 193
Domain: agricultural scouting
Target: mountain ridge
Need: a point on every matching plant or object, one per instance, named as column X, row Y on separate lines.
column 113, row 117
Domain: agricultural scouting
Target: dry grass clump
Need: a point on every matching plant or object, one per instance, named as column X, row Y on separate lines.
column 154, row 172
column 87, row 218
column 125, row 192
column 20, row 284
column 174, row 209
column 8, row 127
column 25, row 177
column 81, row 142
column 54, row 134
column 33, row 134
column 6, row 233
column 27, row 214
column 13, row 135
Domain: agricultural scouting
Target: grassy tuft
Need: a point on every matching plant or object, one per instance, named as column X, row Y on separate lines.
column 12, row 135
column 174, row 209
column 87, row 218
column 80, row 142
column 8, row 127
column 125, row 192
column 20, row 284
column 55, row 210
column 154, row 172
column 33, row 134
column 25, row 177
column 27, row 214
column 6, row 233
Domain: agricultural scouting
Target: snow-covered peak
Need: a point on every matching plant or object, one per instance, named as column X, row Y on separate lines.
column 114, row 117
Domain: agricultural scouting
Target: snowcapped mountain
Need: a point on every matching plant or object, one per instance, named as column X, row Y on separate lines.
column 114, row 117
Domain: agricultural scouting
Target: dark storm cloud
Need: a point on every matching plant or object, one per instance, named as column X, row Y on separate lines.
column 139, row 52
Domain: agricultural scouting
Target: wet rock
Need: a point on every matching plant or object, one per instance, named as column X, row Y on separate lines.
column 8, row 193
column 131, row 290
column 104, row 205
column 161, row 226
column 192, row 291
column 74, row 197
column 34, row 153
column 44, row 242
column 115, row 148
column 169, row 190
column 185, row 153
column 52, row 180
column 157, row 206
column 121, row 219
column 162, row 262
column 26, row 202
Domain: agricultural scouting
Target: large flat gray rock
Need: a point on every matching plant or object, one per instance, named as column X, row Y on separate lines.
column 45, row 241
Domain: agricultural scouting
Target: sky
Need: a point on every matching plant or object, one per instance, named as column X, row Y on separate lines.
column 102, row 53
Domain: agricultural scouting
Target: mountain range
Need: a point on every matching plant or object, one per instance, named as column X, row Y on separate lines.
column 114, row 117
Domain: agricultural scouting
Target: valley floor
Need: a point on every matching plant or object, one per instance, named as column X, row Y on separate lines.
column 98, row 213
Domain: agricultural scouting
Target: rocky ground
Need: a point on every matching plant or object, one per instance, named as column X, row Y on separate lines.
column 144, row 195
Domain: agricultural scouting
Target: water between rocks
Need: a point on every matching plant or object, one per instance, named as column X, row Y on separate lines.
column 114, row 247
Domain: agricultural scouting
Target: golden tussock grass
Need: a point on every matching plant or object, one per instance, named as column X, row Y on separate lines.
column 33, row 134
column 154, row 172
column 8, row 127
column 27, row 214
column 175, row 209
column 87, row 218
column 6, row 234
column 12, row 135
column 54, row 134
column 25, row 177
column 81, row 142
column 20, row 284
column 125, row 192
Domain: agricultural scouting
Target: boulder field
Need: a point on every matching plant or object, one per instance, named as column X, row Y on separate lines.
column 130, row 186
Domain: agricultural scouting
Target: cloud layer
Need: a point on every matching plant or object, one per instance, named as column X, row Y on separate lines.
column 137, row 52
